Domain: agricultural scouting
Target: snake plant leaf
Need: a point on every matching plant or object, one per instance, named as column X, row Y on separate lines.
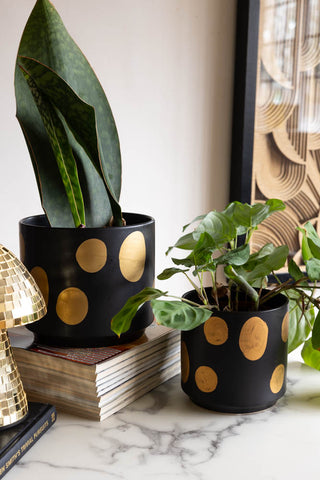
column 179, row 315
column 62, row 151
column 46, row 40
column 79, row 116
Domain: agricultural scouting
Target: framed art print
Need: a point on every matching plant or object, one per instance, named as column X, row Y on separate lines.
column 276, row 121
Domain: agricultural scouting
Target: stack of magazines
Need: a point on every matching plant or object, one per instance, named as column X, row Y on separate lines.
column 96, row 382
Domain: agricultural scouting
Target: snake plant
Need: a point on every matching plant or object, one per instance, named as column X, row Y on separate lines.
column 67, row 124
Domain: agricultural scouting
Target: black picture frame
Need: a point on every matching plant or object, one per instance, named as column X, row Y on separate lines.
column 246, row 56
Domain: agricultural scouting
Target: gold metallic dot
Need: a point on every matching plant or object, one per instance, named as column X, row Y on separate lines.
column 22, row 248
column 91, row 255
column 72, row 306
column 216, row 331
column 206, row 379
column 185, row 363
column 277, row 379
column 285, row 328
column 41, row 279
column 253, row 338
column 132, row 256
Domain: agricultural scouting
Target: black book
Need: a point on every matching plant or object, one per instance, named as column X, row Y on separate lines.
column 16, row 441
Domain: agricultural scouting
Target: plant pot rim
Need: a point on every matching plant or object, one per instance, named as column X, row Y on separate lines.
column 282, row 301
column 40, row 221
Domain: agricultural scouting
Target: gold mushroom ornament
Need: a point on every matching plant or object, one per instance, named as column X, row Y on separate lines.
column 21, row 302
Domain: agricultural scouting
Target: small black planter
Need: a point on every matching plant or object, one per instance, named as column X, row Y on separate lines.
column 236, row 362
column 86, row 275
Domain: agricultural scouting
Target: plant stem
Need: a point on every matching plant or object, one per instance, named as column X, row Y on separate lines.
column 214, row 288
column 249, row 235
column 190, row 302
column 202, row 289
column 282, row 288
column 244, row 285
column 193, row 284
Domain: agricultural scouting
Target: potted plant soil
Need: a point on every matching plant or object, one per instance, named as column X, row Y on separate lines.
column 86, row 255
column 234, row 335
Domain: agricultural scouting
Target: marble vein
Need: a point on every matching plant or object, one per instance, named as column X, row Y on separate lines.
column 164, row 436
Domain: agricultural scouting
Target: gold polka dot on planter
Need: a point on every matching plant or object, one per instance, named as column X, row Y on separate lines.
column 41, row 278
column 72, row 306
column 132, row 256
column 216, row 331
column 285, row 328
column 206, row 379
column 91, row 255
column 277, row 379
column 253, row 338
column 185, row 363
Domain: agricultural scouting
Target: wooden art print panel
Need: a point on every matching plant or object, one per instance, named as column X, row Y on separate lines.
column 286, row 155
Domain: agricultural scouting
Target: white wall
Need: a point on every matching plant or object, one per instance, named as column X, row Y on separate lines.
column 167, row 69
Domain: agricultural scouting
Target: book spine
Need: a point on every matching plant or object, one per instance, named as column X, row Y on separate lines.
column 27, row 440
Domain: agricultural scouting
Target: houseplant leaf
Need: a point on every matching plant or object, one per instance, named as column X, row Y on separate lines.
column 311, row 356
column 313, row 269
column 264, row 265
column 300, row 324
column 295, row 271
column 179, row 315
column 203, row 249
column 316, row 333
column 197, row 219
column 312, row 233
column 121, row 322
column 310, row 242
column 218, row 226
column 186, row 242
column 46, row 40
column 186, row 262
column 169, row 272
column 238, row 256
column 246, row 216
column 241, row 281
column 305, row 248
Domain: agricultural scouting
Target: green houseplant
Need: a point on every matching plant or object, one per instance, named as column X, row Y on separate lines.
column 235, row 334
column 86, row 255
column 305, row 329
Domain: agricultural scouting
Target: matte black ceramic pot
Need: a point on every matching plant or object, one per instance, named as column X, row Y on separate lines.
column 236, row 362
column 86, row 275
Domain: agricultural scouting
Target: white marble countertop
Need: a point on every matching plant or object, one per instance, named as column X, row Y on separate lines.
column 164, row 436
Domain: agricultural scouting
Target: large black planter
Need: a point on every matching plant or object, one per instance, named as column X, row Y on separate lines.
column 86, row 275
column 236, row 362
